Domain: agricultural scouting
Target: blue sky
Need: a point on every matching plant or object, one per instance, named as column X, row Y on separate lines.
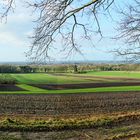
column 14, row 41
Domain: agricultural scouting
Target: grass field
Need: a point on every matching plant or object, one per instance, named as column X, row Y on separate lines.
column 45, row 79
column 28, row 81
column 72, row 78
column 127, row 74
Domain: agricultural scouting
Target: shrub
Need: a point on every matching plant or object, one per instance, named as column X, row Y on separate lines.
column 7, row 79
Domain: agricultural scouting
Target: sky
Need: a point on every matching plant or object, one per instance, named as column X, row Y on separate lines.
column 15, row 41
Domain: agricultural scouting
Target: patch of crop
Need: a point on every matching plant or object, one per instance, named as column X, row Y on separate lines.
column 62, row 123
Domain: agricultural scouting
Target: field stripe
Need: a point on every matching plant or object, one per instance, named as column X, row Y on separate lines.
column 34, row 90
column 30, row 88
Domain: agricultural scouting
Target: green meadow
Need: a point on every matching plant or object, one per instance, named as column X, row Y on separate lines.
column 126, row 74
column 27, row 81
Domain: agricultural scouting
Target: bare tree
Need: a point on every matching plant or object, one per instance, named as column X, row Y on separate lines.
column 129, row 31
column 6, row 6
column 63, row 19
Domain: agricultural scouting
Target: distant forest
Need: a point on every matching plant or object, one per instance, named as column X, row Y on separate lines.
column 68, row 68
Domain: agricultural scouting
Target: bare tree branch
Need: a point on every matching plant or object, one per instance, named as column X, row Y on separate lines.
column 63, row 18
column 6, row 6
column 129, row 31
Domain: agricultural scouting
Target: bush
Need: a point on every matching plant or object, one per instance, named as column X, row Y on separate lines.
column 7, row 79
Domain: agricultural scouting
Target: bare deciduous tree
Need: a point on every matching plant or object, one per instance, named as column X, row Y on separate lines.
column 63, row 19
column 129, row 31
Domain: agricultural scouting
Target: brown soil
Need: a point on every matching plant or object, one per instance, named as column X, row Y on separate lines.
column 70, row 104
column 84, row 85
column 7, row 87
column 83, row 134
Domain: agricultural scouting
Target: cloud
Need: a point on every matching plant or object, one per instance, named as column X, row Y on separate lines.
column 10, row 39
column 19, row 25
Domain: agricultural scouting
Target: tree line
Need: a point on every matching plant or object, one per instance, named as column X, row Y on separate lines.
column 68, row 68
column 37, row 68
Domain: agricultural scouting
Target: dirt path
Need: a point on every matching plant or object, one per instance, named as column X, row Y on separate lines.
column 126, row 132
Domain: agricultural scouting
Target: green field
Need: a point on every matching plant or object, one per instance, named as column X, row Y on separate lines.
column 72, row 78
column 46, row 79
column 127, row 74
column 25, row 80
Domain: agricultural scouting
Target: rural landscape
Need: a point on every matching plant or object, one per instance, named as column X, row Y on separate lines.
column 69, row 70
column 79, row 101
